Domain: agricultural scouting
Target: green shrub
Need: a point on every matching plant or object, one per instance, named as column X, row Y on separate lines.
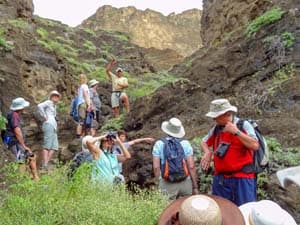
column 3, row 122
column 267, row 18
column 21, row 23
column 114, row 124
column 4, row 44
column 288, row 39
column 91, row 48
column 89, row 31
column 55, row 200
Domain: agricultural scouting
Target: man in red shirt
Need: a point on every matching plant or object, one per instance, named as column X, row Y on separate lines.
column 231, row 149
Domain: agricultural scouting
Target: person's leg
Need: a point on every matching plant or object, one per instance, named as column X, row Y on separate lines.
column 116, row 111
column 115, row 104
column 32, row 167
column 80, row 131
column 125, row 101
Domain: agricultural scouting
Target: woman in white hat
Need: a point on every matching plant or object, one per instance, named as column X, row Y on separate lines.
column 265, row 212
column 47, row 109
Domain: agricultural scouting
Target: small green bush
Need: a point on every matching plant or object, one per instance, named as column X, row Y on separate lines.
column 288, row 39
column 57, row 200
column 114, row 124
column 4, row 44
column 3, row 122
column 267, row 18
column 91, row 48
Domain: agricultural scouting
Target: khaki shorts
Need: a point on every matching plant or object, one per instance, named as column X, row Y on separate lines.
column 50, row 137
column 175, row 190
column 115, row 98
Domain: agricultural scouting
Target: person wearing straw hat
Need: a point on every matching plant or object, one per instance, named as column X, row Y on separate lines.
column 95, row 98
column 15, row 136
column 231, row 149
column 265, row 212
column 119, row 84
column 174, row 189
column 47, row 110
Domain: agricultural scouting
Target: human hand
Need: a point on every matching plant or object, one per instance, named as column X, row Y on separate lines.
column 205, row 161
column 230, row 127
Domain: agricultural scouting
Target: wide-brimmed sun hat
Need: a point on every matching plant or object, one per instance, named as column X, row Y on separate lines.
column 289, row 176
column 119, row 69
column 54, row 93
column 18, row 104
column 203, row 209
column 173, row 127
column 219, row 107
column 93, row 82
column 265, row 212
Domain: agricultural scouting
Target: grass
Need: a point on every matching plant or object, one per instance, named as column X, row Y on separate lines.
column 268, row 17
column 90, row 47
column 3, row 122
column 56, row 200
column 19, row 23
column 4, row 44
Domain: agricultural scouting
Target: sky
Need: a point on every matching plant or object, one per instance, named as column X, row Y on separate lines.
column 73, row 12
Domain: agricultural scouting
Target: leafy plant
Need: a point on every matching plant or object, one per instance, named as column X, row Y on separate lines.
column 267, row 18
column 3, row 122
column 91, row 48
column 288, row 39
column 114, row 124
column 5, row 45
column 19, row 23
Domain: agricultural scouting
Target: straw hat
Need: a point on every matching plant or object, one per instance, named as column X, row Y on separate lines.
column 173, row 127
column 18, row 104
column 119, row 69
column 219, row 107
column 54, row 93
column 93, row 82
column 228, row 211
column 265, row 212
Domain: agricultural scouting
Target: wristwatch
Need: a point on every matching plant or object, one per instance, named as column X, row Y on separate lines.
column 237, row 133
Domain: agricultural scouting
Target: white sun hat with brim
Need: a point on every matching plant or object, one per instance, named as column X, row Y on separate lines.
column 93, row 82
column 18, row 104
column 119, row 69
column 173, row 127
column 84, row 147
column 220, row 106
column 289, row 176
column 265, row 212
column 54, row 93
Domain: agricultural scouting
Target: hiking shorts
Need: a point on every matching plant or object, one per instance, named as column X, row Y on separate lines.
column 175, row 190
column 19, row 152
column 115, row 98
column 50, row 137
column 81, row 113
column 237, row 190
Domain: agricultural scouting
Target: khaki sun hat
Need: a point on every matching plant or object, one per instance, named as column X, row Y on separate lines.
column 219, row 107
column 18, row 104
column 54, row 93
column 265, row 212
column 173, row 127
column 93, row 82
column 228, row 211
column 119, row 69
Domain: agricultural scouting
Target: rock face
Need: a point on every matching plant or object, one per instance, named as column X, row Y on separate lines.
column 179, row 32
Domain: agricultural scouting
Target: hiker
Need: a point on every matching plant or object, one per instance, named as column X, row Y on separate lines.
column 119, row 83
column 265, row 212
column 123, row 137
column 47, row 110
column 105, row 163
column 84, row 105
column 231, row 149
column 15, row 137
column 185, row 184
column 95, row 98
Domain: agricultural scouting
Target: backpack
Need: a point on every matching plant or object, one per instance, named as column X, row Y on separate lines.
column 261, row 156
column 74, row 109
column 77, row 161
column 175, row 168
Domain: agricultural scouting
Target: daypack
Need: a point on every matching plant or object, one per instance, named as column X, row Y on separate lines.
column 74, row 109
column 261, row 156
column 77, row 161
column 175, row 168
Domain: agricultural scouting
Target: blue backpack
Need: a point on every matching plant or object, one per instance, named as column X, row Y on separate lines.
column 175, row 168
column 74, row 109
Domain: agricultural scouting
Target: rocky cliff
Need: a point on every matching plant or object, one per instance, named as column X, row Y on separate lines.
column 179, row 32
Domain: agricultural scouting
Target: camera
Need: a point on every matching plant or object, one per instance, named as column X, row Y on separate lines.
column 28, row 154
column 222, row 149
column 111, row 135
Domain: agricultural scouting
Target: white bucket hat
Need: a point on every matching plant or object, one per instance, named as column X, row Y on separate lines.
column 119, row 69
column 289, row 176
column 173, row 127
column 84, row 147
column 18, row 104
column 54, row 93
column 93, row 82
column 265, row 212
column 219, row 107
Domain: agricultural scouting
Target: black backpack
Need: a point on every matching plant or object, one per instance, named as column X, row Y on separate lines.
column 77, row 161
column 175, row 168
column 261, row 156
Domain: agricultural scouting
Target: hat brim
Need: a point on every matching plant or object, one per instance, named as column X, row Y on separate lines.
column 94, row 83
column 164, row 127
column 25, row 104
column 288, row 176
column 246, row 210
column 231, row 215
column 216, row 114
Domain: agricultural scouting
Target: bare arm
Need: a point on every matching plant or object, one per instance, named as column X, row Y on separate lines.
column 87, row 99
column 20, row 138
column 139, row 140
column 248, row 141
column 109, row 66
column 206, row 159
column 192, row 169
column 96, row 152
column 125, row 155
column 156, row 167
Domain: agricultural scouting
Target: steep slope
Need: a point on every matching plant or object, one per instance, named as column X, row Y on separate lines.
column 179, row 32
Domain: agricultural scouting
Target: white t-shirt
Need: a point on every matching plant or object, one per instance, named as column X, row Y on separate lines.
column 83, row 88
